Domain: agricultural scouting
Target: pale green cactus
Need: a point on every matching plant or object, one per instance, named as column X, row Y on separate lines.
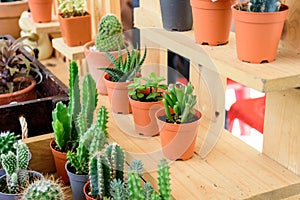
column 109, row 37
column 7, row 140
column 72, row 8
column 44, row 189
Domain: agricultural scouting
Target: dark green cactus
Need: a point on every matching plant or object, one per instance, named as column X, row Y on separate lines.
column 99, row 174
column 109, row 36
column 102, row 119
column 44, row 189
column 15, row 165
column 7, row 139
column 181, row 100
column 127, row 68
column 116, row 159
column 264, row 5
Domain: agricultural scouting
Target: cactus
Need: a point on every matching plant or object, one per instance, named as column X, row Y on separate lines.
column 164, row 180
column 264, row 5
column 7, row 139
column 116, row 159
column 109, row 37
column 117, row 190
column 127, row 68
column 43, row 189
column 181, row 101
column 72, row 8
column 15, row 165
column 91, row 141
column 65, row 122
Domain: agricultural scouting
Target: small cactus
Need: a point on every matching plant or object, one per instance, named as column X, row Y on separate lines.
column 164, row 180
column 7, row 139
column 117, row 190
column 109, row 37
column 116, row 158
column 44, row 189
column 264, row 5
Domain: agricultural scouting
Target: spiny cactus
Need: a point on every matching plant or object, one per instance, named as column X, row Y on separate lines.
column 117, row 190
column 109, row 37
column 264, row 5
column 181, row 100
column 15, row 165
column 127, row 68
column 164, row 180
column 134, row 186
column 91, row 141
column 116, row 159
column 45, row 189
column 7, row 139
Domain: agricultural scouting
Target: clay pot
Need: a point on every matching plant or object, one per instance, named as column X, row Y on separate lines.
column 85, row 190
column 25, row 94
column 258, row 34
column 41, row 10
column 212, row 21
column 177, row 140
column 76, row 31
column 60, row 159
column 10, row 13
column 144, row 117
column 118, row 96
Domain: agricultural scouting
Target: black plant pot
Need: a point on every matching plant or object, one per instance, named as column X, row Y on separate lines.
column 77, row 182
column 176, row 15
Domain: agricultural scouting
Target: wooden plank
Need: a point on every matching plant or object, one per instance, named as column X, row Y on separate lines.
column 72, row 53
column 146, row 18
column 282, row 128
column 153, row 5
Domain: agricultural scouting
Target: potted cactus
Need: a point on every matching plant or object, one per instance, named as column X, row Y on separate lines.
column 212, row 21
column 75, row 22
column 44, row 189
column 91, row 140
column 17, row 176
column 118, row 78
column 258, row 28
column 66, row 130
column 145, row 96
column 108, row 39
column 178, row 122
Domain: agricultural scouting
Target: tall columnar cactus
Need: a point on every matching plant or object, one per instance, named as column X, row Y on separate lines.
column 116, row 159
column 43, row 189
column 181, row 100
column 99, row 174
column 15, row 165
column 91, row 141
column 164, row 180
column 109, row 37
column 264, row 5
column 133, row 184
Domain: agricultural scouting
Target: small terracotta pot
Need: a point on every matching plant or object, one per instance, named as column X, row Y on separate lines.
column 258, row 34
column 10, row 13
column 177, row 140
column 41, row 10
column 211, row 21
column 76, row 31
column 25, row 94
column 86, row 187
column 144, row 116
column 95, row 60
column 60, row 159
column 118, row 96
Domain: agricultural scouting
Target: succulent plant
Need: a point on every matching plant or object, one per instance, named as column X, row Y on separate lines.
column 46, row 189
column 14, row 64
column 264, row 6
column 91, row 140
column 72, row 8
column 7, row 140
column 109, row 36
column 66, row 131
column 15, row 166
column 137, row 89
column 127, row 68
column 180, row 100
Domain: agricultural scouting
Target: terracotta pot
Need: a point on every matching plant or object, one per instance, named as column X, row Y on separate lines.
column 258, row 34
column 60, row 159
column 95, row 60
column 212, row 21
column 144, row 116
column 41, row 10
column 177, row 140
column 25, row 94
column 10, row 13
column 118, row 96
column 86, row 187
column 76, row 31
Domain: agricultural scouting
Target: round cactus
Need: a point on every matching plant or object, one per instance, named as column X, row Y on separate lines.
column 109, row 37
column 44, row 189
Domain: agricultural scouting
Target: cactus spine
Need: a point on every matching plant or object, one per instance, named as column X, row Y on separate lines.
column 43, row 189
column 16, row 166
column 7, row 140
column 116, row 158
column 109, row 37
